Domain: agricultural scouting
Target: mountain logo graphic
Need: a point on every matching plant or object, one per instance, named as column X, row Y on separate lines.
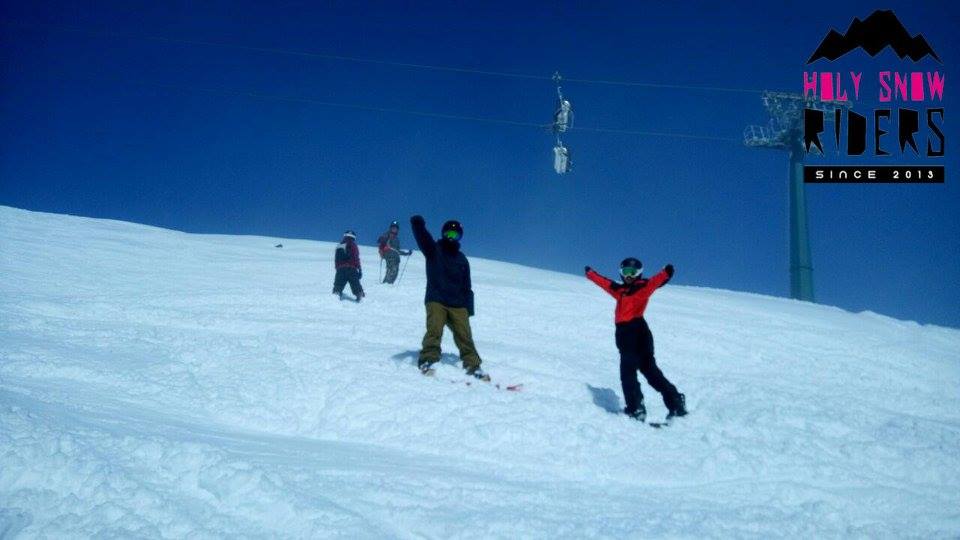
column 880, row 30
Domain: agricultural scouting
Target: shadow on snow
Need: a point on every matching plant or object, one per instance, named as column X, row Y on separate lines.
column 605, row 398
column 411, row 357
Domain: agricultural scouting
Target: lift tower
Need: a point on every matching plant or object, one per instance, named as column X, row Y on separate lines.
column 784, row 131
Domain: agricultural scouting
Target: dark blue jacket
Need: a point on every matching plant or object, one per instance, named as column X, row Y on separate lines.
column 448, row 271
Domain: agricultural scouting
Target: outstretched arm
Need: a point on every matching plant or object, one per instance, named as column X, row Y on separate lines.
column 662, row 277
column 602, row 282
column 425, row 242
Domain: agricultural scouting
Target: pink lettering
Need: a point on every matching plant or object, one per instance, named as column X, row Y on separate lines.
column 826, row 86
column 810, row 84
column 935, row 80
column 885, row 93
column 841, row 93
column 916, row 86
column 856, row 83
column 900, row 86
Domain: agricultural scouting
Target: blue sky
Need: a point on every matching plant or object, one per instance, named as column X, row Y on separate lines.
column 117, row 110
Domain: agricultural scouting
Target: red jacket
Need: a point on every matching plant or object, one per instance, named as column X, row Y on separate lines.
column 350, row 258
column 631, row 299
column 388, row 242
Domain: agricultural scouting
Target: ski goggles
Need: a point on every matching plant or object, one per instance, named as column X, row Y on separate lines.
column 629, row 271
column 452, row 235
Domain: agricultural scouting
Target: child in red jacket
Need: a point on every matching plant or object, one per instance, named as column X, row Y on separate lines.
column 634, row 340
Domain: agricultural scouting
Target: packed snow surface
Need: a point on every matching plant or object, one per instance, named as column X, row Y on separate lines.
column 161, row 384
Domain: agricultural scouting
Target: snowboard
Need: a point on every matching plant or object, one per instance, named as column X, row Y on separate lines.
column 657, row 424
column 663, row 423
column 432, row 372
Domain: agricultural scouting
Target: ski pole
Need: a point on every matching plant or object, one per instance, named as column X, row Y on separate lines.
column 404, row 269
column 380, row 280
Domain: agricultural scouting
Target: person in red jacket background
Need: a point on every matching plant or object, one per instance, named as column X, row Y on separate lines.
column 634, row 340
column 347, row 262
column 389, row 246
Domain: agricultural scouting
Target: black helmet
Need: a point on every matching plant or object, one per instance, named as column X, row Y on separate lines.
column 350, row 234
column 631, row 267
column 451, row 227
column 394, row 225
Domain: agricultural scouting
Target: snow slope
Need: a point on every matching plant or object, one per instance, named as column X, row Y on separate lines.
column 161, row 384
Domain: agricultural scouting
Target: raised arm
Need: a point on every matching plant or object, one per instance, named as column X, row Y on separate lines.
column 662, row 277
column 426, row 243
column 601, row 281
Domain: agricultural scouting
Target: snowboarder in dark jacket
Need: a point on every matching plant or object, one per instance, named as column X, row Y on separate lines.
column 634, row 340
column 389, row 247
column 449, row 296
column 347, row 262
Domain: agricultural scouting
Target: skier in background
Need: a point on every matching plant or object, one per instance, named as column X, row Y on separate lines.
column 347, row 262
column 634, row 340
column 389, row 243
column 449, row 297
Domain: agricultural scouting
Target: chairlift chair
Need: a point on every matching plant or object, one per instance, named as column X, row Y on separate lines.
column 561, row 159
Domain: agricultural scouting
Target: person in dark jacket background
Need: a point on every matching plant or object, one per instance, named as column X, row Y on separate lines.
column 347, row 262
column 449, row 296
column 634, row 339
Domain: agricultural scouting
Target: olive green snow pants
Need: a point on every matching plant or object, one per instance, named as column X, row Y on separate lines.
column 438, row 316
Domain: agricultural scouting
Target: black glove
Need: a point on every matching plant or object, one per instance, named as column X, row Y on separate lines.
column 587, row 269
column 359, row 273
column 417, row 220
column 669, row 270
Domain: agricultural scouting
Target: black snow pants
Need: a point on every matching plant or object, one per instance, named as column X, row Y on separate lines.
column 635, row 343
column 351, row 276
